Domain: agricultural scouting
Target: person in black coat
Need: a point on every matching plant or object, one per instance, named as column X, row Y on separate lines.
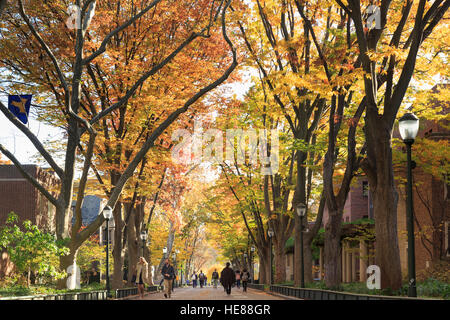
column 227, row 278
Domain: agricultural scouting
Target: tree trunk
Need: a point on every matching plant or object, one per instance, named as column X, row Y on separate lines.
column 385, row 197
column 332, row 250
column 64, row 262
column 263, row 270
column 308, row 261
column 280, row 262
column 297, row 253
column 169, row 244
column 387, row 255
column 133, row 247
column 118, row 252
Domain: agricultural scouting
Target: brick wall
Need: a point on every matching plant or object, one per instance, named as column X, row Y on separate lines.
column 356, row 204
column 20, row 196
column 431, row 209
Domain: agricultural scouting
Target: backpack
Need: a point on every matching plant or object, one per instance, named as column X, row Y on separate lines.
column 245, row 276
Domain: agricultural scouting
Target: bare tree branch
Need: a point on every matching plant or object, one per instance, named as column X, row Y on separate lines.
column 27, row 176
column 33, row 139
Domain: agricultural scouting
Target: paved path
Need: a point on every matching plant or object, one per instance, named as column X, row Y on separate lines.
column 209, row 293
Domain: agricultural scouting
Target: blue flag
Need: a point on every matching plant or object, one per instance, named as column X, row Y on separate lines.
column 19, row 105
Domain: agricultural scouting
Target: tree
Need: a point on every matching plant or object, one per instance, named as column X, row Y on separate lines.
column 31, row 250
column 279, row 46
column 388, row 54
column 69, row 73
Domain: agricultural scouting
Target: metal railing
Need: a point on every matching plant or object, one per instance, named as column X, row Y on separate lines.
column 256, row 286
column 318, row 294
column 125, row 292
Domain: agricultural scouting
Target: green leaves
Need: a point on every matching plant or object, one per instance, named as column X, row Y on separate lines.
column 30, row 249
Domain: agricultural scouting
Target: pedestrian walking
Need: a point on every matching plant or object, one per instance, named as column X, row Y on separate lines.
column 215, row 278
column 201, row 277
column 238, row 279
column 245, row 277
column 194, row 280
column 227, row 278
column 141, row 275
column 169, row 274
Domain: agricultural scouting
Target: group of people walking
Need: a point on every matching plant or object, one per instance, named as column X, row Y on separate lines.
column 228, row 278
column 201, row 278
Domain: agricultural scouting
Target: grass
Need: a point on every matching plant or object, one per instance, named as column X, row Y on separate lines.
column 430, row 288
column 19, row 290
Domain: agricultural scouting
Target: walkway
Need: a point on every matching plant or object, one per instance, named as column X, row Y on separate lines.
column 209, row 293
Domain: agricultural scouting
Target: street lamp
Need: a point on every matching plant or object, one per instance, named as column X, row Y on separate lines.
column 408, row 126
column 252, row 252
column 270, row 233
column 107, row 214
column 144, row 236
column 301, row 212
column 164, row 252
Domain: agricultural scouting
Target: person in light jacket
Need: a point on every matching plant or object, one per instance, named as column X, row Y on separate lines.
column 141, row 275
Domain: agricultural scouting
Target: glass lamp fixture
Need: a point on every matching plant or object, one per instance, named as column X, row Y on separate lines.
column 408, row 126
column 107, row 212
column 301, row 209
column 144, row 235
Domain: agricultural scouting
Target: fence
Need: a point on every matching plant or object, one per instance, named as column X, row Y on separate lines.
column 123, row 293
column 256, row 286
column 318, row 294
column 93, row 295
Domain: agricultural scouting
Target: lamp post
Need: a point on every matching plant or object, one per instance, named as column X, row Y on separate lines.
column 164, row 252
column 245, row 260
column 107, row 214
column 301, row 212
column 409, row 126
column 181, row 274
column 144, row 236
column 270, row 233
column 252, row 252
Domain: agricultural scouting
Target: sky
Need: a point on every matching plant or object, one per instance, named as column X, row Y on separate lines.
column 16, row 142
column 19, row 145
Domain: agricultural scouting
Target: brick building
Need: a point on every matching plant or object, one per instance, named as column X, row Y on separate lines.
column 431, row 202
column 358, row 204
column 19, row 195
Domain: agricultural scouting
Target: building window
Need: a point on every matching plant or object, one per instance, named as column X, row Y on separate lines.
column 365, row 188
